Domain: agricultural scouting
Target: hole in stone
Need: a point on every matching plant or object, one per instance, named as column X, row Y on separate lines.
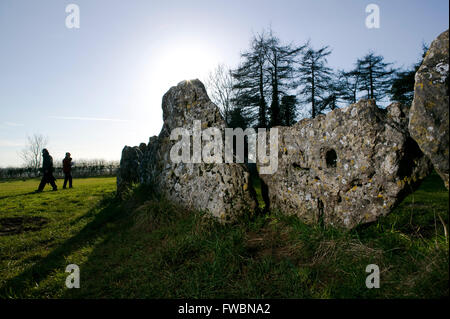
column 331, row 158
column 299, row 167
column 356, row 182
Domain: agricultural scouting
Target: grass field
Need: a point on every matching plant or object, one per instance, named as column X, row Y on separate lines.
column 146, row 247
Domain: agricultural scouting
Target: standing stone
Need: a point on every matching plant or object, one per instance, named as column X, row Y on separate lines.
column 429, row 116
column 129, row 167
column 221, row 189
column 347, row 167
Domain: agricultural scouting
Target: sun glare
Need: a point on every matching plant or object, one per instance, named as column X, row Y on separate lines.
column 184, row 62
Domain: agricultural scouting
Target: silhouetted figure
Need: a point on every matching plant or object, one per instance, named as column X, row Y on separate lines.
column 67, row 169
column 47, row 169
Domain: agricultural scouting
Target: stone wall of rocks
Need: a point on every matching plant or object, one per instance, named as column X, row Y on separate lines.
column 347, row 167
column 223, row 190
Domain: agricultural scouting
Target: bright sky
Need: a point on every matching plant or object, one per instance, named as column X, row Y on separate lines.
column 95, row 89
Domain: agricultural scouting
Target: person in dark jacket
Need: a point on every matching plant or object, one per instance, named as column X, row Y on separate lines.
column 67, row 169
column 47, row 170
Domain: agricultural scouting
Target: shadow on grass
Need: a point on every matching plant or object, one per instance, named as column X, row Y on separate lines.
column 19, row 195
column 159, row 251
column 104, row 203
column 17, row 286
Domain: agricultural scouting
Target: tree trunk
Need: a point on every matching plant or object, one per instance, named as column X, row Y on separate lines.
column 262, row 104
column 275, row 107
column 313, row 97
column 371, row 82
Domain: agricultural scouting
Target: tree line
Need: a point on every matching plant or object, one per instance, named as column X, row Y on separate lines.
column 276, row 82
column 31, row 156
column 81, row 168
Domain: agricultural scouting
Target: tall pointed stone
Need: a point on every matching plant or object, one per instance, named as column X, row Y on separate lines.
column 429, row 115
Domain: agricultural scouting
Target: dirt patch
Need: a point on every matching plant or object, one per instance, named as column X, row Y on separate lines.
column 271, row 241
column 17, row 225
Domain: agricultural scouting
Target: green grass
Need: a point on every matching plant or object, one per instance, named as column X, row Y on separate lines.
column 147, row 247
column 31, row 261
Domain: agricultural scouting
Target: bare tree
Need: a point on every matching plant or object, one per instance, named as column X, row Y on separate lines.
column 220, row 88
column 31, row 154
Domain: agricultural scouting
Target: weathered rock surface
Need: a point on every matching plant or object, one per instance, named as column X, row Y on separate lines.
column 128, row 172
column 429, row 115
column 221, row 189
column 347, row 167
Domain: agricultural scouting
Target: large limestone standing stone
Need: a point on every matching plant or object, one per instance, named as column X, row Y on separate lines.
column 347, row 167
column 429, row 115
column 221, row 189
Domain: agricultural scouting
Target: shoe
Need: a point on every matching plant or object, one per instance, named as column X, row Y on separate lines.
column 38, row 191
column 54, row 189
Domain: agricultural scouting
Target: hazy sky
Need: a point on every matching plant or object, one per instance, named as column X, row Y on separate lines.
column 95, row 89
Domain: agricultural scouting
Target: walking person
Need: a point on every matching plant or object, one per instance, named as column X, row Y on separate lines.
column 47, row 170
column 67, row 169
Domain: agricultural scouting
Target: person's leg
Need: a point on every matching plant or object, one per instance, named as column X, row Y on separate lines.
column 41, row 184
column 52, row 182
column 70, row 180
column 66, row 177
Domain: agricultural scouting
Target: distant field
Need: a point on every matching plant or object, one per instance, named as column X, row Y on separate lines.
column 146, row 247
